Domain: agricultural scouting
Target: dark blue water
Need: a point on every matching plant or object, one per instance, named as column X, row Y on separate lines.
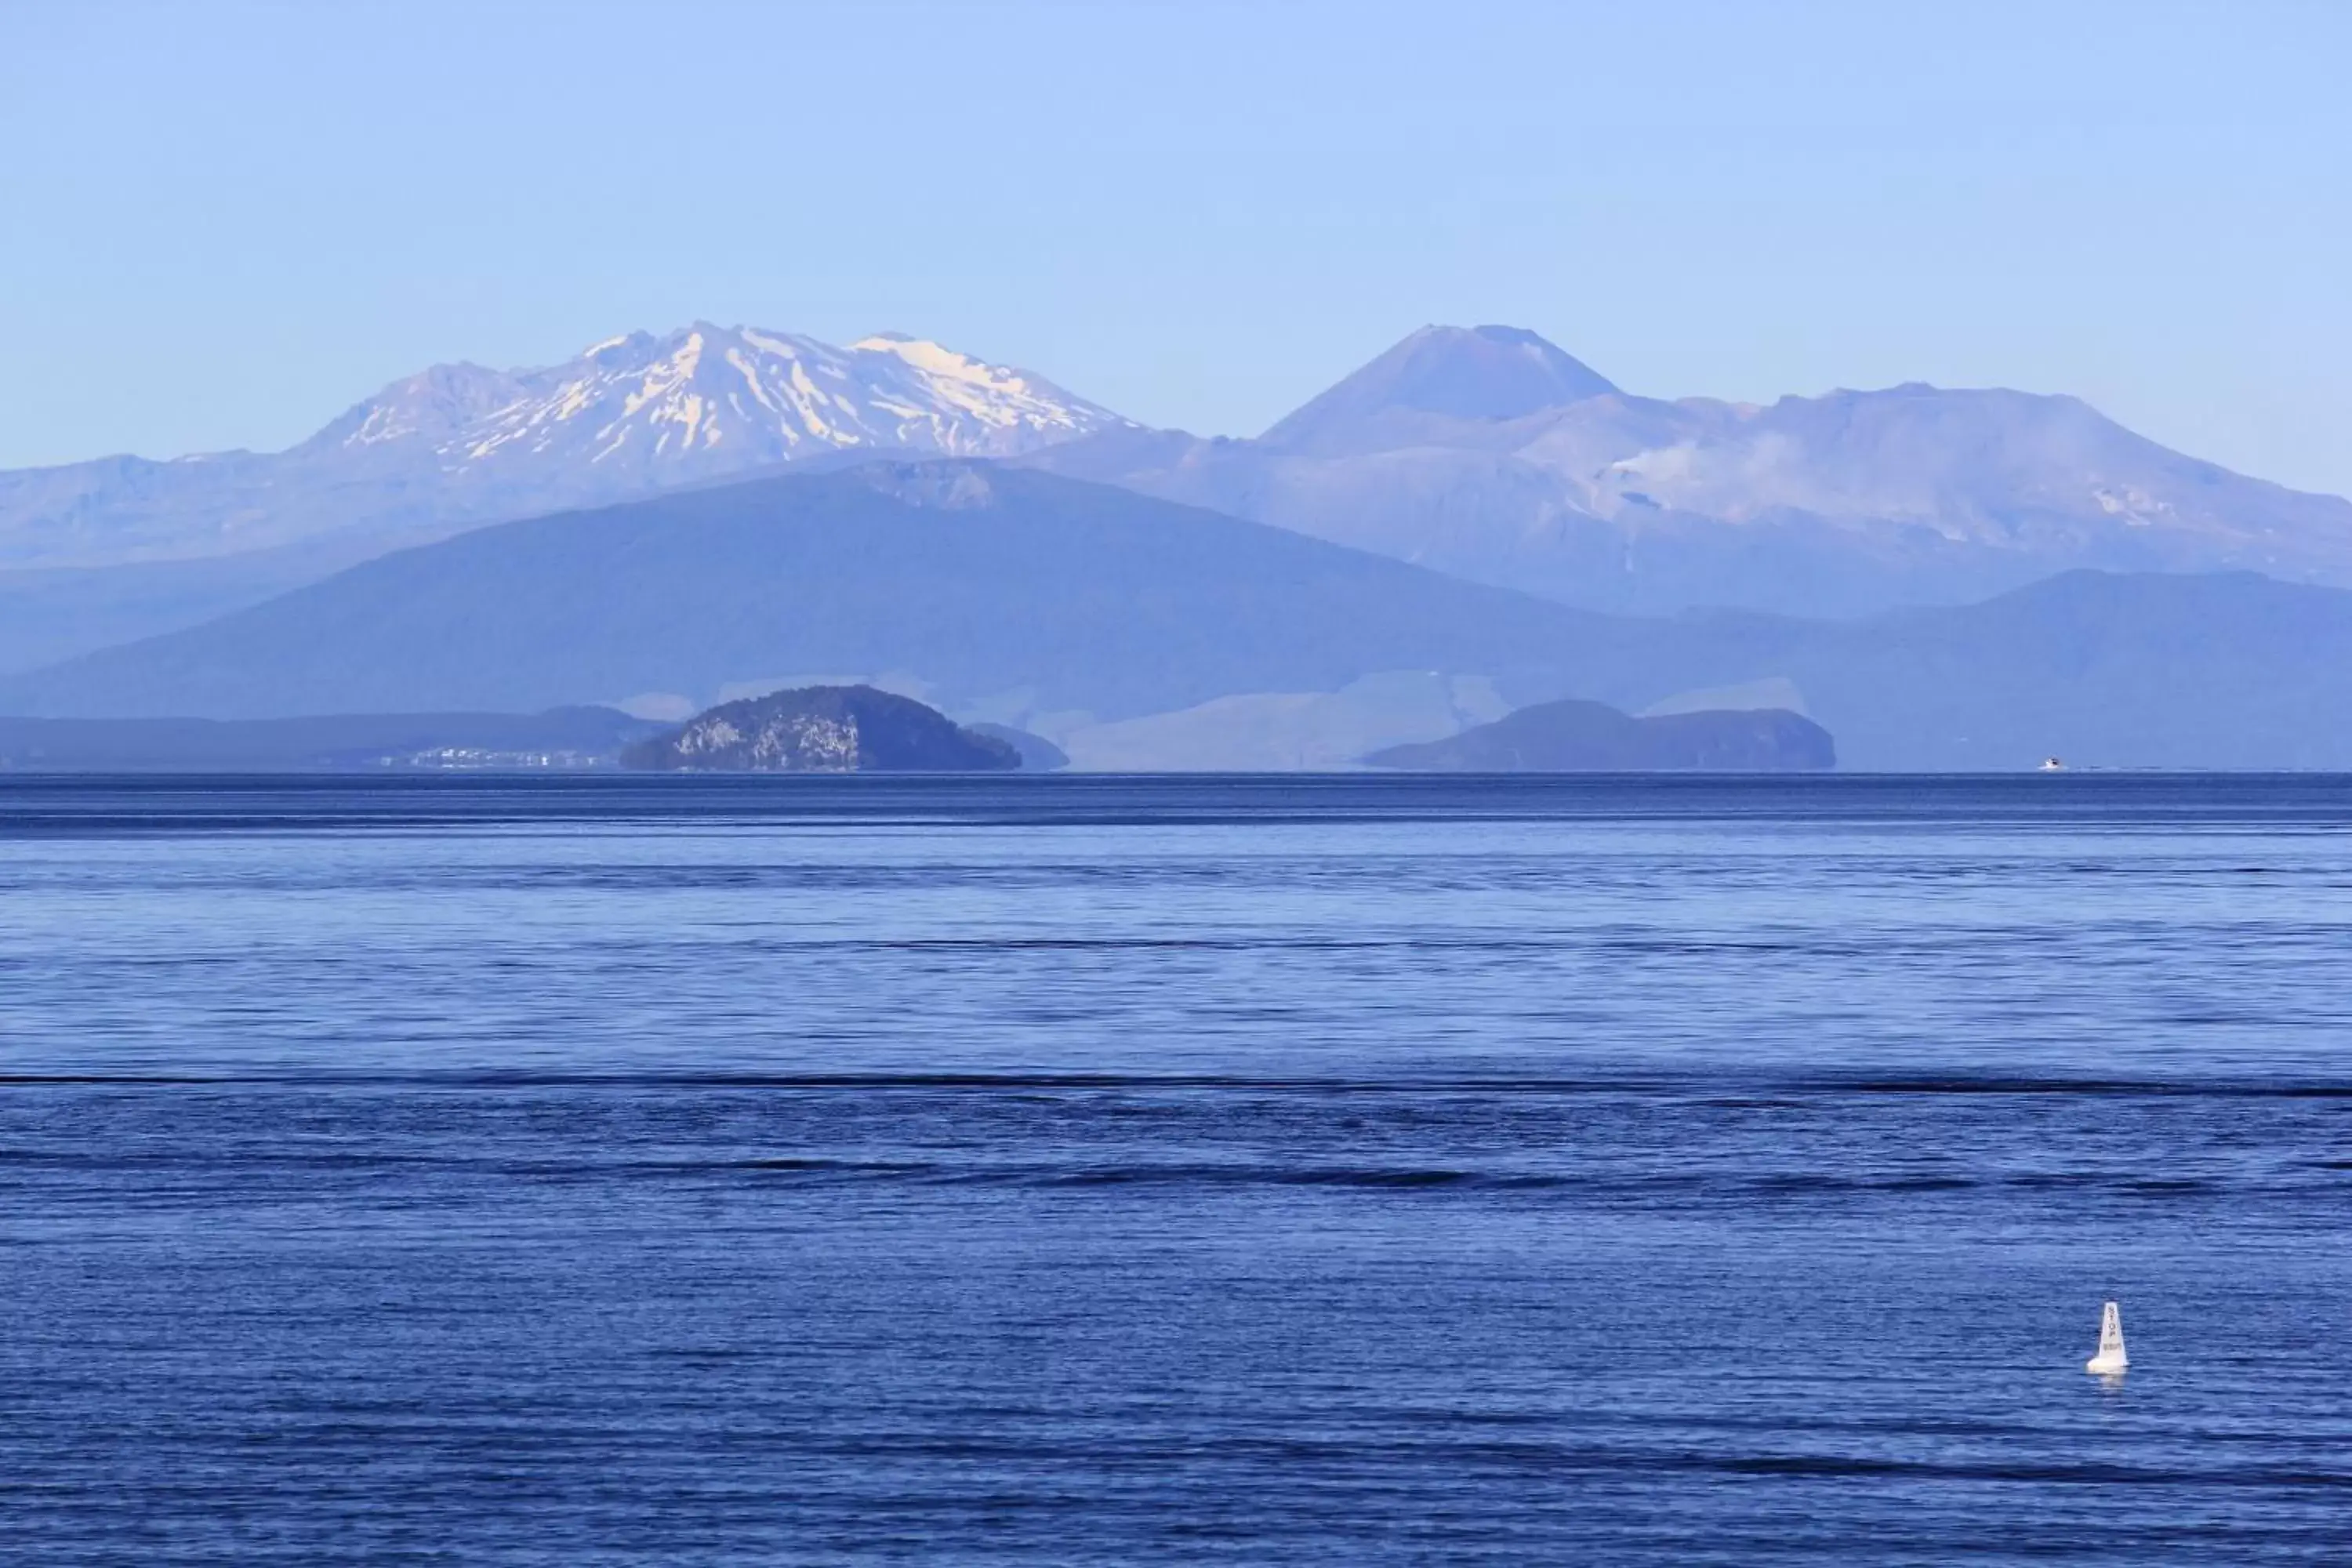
column 1087, row 1171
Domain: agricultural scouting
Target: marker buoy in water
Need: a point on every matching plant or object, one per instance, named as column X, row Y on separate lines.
column 2111, row 1358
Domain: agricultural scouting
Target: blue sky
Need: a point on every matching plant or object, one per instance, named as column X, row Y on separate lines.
column 225, row 223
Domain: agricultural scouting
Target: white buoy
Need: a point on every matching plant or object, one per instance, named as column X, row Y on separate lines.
column 2111, row 1359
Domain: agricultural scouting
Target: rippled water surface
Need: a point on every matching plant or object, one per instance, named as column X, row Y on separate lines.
column 1096, row 1170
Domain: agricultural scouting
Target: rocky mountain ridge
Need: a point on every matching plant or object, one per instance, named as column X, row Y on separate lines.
column 822, row 729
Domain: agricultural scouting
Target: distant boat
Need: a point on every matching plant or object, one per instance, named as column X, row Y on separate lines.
column 2053, row 765
column 2111, row 1359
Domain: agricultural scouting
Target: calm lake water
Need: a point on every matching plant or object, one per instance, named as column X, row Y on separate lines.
column 1355, row 1169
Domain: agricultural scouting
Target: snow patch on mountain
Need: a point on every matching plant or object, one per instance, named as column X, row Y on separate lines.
column 763, row 397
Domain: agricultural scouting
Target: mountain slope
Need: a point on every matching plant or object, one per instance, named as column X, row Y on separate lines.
column 979, row 584
column 460, row 444
column 55, row 613
column 1843, row 504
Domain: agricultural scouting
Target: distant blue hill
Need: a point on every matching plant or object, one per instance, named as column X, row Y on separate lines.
column 1579, row 737
column 1027, row 598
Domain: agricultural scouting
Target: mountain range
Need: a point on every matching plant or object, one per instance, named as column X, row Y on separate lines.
column 1136, row 633
column 1484, row 452
column 1489, row 453
column 1473, row 523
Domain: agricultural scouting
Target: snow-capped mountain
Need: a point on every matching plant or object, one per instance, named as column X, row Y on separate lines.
column 458, row 443
column 713, row 398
